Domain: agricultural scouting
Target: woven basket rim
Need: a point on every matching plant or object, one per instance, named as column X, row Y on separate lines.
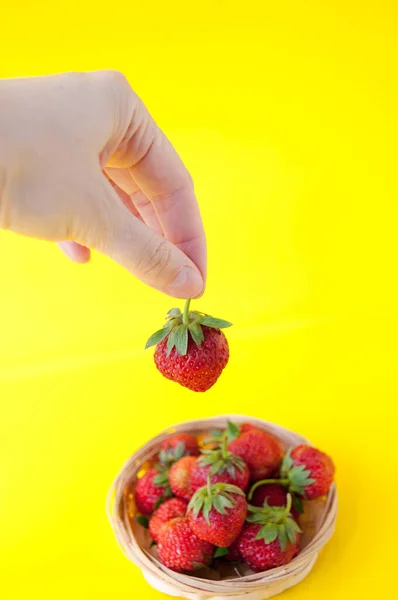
column 189, row 583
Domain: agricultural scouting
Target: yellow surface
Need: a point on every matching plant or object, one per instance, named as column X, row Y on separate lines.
column 286, row 115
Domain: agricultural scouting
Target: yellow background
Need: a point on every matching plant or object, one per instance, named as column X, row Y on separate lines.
column 286, row 115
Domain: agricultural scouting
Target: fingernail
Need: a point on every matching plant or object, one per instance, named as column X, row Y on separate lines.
column 187, row 284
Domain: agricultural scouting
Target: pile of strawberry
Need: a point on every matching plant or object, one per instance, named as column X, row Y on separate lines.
column 231, row 495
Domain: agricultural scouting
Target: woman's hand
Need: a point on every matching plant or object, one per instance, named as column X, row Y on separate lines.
column 82, row 162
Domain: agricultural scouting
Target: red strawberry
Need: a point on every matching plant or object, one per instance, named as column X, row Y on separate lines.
column 180, row 477
column 222, row 467
column 168, row 510
column 191, row 348
column 260, row 555
column 261, row 451
column 190, row 444
column 234, row 554
column 308, row 472
column 180, row 549
column 270, row 538
column 175, row 448
column 150, row 490
column 217, row 513
column 275, row 495
column 245, row 427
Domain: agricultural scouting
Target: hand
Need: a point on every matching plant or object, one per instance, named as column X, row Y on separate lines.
column 82, row 161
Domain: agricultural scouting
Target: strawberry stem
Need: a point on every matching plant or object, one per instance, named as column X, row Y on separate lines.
column 209, row 485
column 289, row 501
column 185, row 316
column 264, row 482
column 224, row 448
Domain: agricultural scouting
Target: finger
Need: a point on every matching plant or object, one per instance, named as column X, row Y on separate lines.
column 146, row 210
column 144, row 207
column 81, row 254
column 114, row 231
column 74, row 251
column 123, row 195
column 160, row 174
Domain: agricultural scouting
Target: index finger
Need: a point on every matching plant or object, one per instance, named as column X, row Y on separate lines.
column 156, row 168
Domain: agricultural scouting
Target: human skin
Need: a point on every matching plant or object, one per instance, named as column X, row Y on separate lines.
column 83, row 163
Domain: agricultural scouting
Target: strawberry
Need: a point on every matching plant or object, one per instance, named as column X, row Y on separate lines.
column 188, row 442
column 180, row 477
column 275, row 495
column 222, row 467
column 309, row 471
column 151, row 490
column 234, row 554
column 245, row 427
column 168, row 510
column 261, row 451
column 171, row 453
column 217, row 513
column 270, row 538
column 180, row 549
column 191, row 348
column 305, row 472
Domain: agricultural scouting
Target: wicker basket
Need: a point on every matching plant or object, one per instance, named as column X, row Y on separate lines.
column 318, row 526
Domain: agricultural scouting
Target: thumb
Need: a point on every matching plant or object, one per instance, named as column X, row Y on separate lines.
column 113, row 230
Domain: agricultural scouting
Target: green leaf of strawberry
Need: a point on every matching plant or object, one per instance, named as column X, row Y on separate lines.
column 291, row 529
column 216, row 323
column 299, row 479
column 287, row 463
column 217, row 496
column 143, row 521
column 180, row 325
column 158, row 337
column 268, row 533
column 197, row 333
column 233, row 431
column 174, row 313
column 297, row 503
column 277, row 523
column 220, row 552
column 221, row 460
column 168, row 457
column 162, row 479
column 215, row 433
column 171, row 341
column 181, row 339
column 297, row 476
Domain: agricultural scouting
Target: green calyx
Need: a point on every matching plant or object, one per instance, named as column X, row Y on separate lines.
column 232, row 431
column 229, row 434
column 219, row 496
column 180, row 325
column 297, row 476
column 168, row 457
column 161, row 480
column 220, row 552
column 215, row 437
column 143, row 521
column 294, row 477
column 221, row 460
column 220, row 437
column 276, row 523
